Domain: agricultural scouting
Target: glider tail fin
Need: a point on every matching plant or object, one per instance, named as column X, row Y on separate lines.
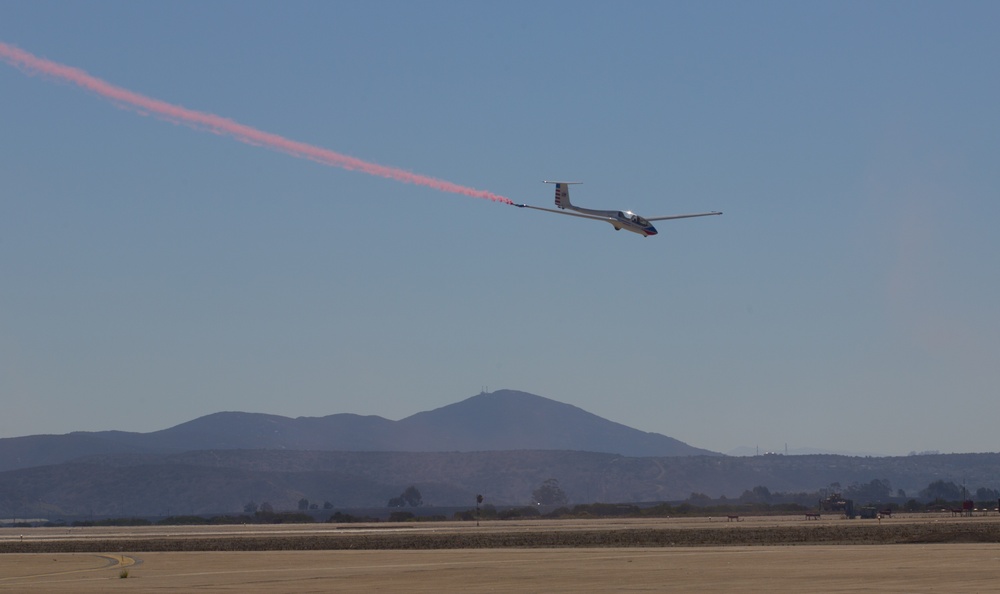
column 562, row 194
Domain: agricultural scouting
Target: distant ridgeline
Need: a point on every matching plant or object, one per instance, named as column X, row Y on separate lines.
column 504, row 445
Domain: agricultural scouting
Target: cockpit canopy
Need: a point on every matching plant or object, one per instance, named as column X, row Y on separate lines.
column 628, row 215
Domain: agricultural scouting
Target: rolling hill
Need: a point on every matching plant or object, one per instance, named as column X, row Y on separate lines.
column 223, row 481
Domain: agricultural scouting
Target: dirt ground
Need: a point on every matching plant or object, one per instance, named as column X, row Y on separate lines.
column 964, row 558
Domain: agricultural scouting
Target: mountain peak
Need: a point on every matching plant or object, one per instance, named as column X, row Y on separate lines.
column 510, row 419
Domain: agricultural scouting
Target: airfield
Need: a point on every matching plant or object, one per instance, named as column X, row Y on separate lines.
column 910, row 553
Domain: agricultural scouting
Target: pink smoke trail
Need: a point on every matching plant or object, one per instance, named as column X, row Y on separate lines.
column 130, row 100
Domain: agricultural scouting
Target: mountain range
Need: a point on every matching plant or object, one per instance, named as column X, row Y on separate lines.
column 497, row 421
column 503, row 445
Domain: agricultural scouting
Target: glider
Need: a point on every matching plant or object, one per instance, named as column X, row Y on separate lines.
column 627, row 220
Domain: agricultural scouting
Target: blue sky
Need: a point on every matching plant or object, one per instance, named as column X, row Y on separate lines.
column 151, row 273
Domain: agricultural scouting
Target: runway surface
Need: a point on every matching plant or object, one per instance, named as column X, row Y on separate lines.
column 775, row 568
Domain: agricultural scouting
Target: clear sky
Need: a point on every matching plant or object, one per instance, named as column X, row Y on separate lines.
column 152, row 273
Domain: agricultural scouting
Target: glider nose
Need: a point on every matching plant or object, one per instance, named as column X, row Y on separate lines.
column 650, row 231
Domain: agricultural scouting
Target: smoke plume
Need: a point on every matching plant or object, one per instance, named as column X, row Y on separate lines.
column 206, row 121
